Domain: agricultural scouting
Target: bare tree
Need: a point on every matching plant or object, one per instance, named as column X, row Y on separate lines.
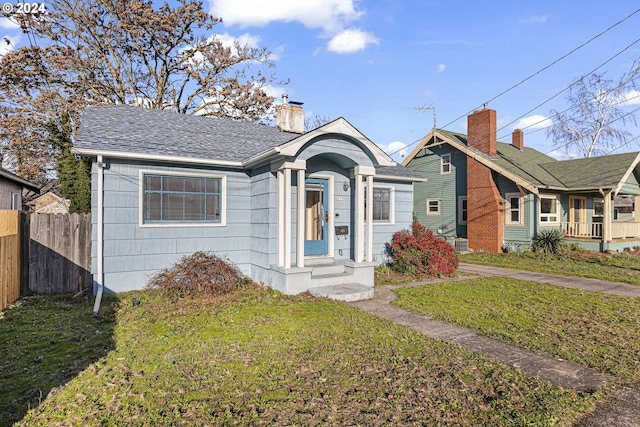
column 595, row 122
column 88, row 52
column 316, row 122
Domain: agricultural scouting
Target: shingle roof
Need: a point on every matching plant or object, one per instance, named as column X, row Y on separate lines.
column 545, row 171
column 398, row 171
column 15, row 178
column 123, row 128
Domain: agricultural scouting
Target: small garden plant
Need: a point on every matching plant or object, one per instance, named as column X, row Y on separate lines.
column 420, row 252
column 199, row 274
column 548, row 241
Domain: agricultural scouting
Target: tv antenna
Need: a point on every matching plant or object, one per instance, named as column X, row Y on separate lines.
column 425, row 108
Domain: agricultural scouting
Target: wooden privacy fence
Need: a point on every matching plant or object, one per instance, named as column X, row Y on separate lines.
column 9, row 257
column 59, row 252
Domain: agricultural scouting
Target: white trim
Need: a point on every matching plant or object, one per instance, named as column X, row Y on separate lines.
column 392, row 204
column 369, row 221
column 428, row 212
column 16, row 201
column 508, row 197
column 287, row 218
column 100, row 236
column 359, row 219
column 556, row 197
column 461, row 220
column 223, row 199
column 280, row 213
column 300, row 221
column 330, row 223
column 399, row 178
column 442, row 164
column 89, row 152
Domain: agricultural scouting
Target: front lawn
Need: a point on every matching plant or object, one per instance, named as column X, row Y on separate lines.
column 596, row 330
column 596, row 265
column 258, row 357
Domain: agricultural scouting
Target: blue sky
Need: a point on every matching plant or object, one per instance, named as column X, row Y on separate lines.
column 376, row 62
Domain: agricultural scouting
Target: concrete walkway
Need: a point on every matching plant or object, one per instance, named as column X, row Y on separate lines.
column 622, row 409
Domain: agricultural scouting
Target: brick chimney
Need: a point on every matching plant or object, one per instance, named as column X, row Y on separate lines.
column 482, row 131
column 485, row 210
column 290, row 117
column 517, row 139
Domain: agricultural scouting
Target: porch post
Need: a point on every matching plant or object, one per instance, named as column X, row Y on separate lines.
column 606, row 218
column 301, row 219
column 359, row 217
column 281, row 208
column 370, row 218
column 287, row 218
column 361, row 172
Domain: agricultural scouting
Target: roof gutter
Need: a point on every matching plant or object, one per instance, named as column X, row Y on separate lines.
column 155, row 157
column 251, row 161
column 399, row 178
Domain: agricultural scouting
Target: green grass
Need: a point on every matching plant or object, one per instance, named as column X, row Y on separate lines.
column 618, row 268
column 596, row 330
column 258, row 357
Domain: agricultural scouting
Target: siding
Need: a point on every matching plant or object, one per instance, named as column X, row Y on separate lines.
column 446, row 187
column 133, row 254
column 6, row 189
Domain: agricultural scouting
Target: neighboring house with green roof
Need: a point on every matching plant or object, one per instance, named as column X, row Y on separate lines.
column 496, row 196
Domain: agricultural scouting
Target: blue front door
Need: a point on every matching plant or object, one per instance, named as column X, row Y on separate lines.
column 316, row 240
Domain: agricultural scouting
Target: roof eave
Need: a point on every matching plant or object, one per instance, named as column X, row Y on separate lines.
column 89, row 152
column 399, row 178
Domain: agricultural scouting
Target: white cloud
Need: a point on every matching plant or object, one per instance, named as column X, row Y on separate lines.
column 397, row 150
column 533, row 122
column 631, row 98
column 535, row 20
column 332, row 17
column 246, row 39
column 329, row 15
column 8, row 24
column 349, row 41
column 441, row 67
column 8, row 44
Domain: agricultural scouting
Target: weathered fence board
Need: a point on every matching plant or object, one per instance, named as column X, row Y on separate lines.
column 9, row 258
column 60, row 253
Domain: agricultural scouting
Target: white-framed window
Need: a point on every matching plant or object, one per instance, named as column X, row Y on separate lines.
column 433, row 206
column 549, row 209
column 383, row 204
column 445, row 164
column 598, row 208
column 462, row 210
column 169, row 199
column 514, row 208
column 15, row 202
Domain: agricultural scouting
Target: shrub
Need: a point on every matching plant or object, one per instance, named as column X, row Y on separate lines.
column 420, row 252
column 548, row 241
column 198, row 274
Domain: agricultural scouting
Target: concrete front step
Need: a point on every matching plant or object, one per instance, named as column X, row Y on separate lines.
column 344, row 292
column 327, row 269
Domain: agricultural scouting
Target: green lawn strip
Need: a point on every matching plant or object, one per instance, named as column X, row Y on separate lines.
column 596, row 330
column 259, row 357
column 45, row 342
column 619, row 268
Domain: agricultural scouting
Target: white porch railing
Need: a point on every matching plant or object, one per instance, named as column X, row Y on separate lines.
column 619, row 230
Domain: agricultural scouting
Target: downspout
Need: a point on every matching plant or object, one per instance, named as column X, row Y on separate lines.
column 99, row 254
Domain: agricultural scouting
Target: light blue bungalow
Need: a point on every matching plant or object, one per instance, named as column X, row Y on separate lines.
column 290, row 209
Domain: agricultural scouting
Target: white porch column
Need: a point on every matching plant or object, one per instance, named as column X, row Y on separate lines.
column 301, row 219
column 369, row 215
column 287, row 218
column 361, row 172
column 606, row 218
column 281, row 226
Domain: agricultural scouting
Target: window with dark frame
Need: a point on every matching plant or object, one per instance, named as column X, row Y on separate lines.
column 181, row 199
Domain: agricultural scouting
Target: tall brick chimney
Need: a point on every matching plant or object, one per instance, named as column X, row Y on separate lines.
column 482, row 131
column 485, row 210
column 517, row 139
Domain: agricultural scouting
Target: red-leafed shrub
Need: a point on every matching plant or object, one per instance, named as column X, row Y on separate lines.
column 420, row 252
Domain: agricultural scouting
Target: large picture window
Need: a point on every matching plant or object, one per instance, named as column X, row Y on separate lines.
column 548, row 209
column 181, row 199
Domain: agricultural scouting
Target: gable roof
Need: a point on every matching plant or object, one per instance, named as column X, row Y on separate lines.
column 15, row 178
column 534, row 170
